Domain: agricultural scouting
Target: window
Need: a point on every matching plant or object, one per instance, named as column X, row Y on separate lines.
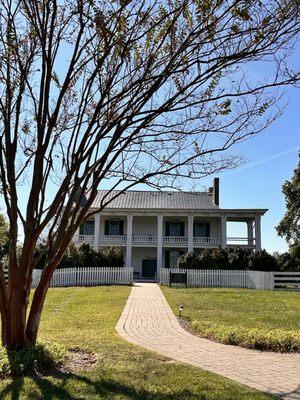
column 171, row 258
column 174, row 228
column 114, row 227
column 201, row 229
column 87, row 228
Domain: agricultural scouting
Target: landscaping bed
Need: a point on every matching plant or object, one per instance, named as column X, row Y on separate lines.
column 101, row 365
column 260, row 320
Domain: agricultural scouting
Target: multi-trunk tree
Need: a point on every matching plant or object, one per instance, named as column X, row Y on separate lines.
column 120, row 93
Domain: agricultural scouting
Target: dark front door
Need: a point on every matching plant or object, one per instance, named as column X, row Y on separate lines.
column 149, row 268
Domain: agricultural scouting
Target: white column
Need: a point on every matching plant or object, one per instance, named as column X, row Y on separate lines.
column 96, row 231
column 257, row 233
column 159, row 244
column 250, row 233
column 190, row 233
column 76, row 236
column 129, row 240
column 223, row 231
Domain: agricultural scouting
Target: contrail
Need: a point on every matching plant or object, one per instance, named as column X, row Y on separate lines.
column 273, row 157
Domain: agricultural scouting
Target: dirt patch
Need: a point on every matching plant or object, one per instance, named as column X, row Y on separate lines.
column 186, row 324
column 78, row 360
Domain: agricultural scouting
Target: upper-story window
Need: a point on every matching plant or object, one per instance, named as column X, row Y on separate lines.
column 201, row 229
column 87, row 228
column 174, row 228
column 114, row 227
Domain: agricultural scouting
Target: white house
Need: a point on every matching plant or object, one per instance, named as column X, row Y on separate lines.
column 156, row 227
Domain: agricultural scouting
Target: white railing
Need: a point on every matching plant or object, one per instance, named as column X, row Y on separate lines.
column 144, row 239
column 223, row 278
column 112, row 239
column 244, row 241
column 175, row 240
column 85, row 239
column 287, row 280
column 206, row 240
column 87, row 277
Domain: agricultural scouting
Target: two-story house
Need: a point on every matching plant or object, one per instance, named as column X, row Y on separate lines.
column 155, row 227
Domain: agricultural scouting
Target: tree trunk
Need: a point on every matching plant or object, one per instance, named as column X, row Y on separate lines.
column 37, row 305
column 13, row 324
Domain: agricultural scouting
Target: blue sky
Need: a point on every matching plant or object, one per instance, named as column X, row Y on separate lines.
column 271, row 158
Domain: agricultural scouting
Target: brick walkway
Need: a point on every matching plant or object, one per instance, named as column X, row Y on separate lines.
column 148, row 321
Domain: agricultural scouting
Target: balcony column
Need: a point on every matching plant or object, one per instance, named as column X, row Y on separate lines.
column 250, row 233
column 257, row 233
column 223, row 231
column 129, row 241
column 190, row 233
column 159, row 245
column 96, row 231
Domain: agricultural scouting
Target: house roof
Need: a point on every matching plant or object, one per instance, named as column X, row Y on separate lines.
column 149, row 200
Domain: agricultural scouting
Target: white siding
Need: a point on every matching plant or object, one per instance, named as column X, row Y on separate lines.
column 141, row 253
column 144, row 225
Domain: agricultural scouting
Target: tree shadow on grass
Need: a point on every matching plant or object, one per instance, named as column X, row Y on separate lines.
column 54, row 387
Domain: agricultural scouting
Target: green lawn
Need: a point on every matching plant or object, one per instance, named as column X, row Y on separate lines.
column 238, row 307
column 85, row 318
column 249, row 318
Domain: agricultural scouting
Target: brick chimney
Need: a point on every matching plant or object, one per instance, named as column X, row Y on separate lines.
column 216, row 191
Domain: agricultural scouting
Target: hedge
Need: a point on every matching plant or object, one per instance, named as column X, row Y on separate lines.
column 260, row 339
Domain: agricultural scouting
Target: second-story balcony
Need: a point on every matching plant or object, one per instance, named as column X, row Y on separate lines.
column 206, row 241
column 149, row 240
column 113, row 240
column 175, row 241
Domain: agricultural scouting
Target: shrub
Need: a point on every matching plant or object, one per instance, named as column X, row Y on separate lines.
column 238, row 258
column 84, row 256
column 221, row 259
column 295, row 254
column 253, row 338
column 43, row 357
column 188, row 261
column 205, row 259
column 262, row 261
column 111, row 257
column 286, row 262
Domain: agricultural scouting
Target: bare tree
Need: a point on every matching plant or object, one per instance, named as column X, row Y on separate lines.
column 127, row 92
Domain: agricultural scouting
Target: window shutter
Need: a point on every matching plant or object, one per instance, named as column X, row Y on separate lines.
column 167, row 259
column 81, row 229
column 106, row 227
column 207, row 229
column 181, row 228
column 167, row 228
column 121, row 227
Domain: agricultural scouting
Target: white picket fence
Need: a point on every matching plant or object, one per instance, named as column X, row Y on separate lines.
column 287, row 280
column 87, row 277
column 223, row 278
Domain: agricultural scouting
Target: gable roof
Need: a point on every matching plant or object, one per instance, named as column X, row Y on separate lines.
column 150, row 200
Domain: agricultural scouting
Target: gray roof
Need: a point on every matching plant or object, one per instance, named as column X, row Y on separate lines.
column 133, row 199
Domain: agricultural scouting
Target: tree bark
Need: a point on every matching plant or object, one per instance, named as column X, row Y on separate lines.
column 36, row 308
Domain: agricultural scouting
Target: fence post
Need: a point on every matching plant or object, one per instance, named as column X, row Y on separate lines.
column 272, row 280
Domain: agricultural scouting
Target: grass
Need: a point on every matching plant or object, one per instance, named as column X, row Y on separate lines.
column 250, row 318
column 86, row 317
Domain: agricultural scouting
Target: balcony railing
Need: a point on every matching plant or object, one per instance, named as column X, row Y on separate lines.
column 206, row 240
column 86, row 239
column 175, row 240
column 144, row 239
column 121, row 240
column 240, row 241
column 112, row 239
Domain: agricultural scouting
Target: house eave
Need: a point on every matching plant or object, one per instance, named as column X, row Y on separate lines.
column 185, row 211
